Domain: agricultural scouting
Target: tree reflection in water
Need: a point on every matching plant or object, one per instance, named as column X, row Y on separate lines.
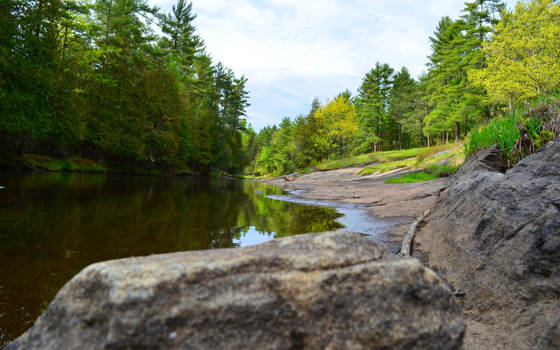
column 53, row 225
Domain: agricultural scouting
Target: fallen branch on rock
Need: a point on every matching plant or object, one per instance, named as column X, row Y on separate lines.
column 407, row 240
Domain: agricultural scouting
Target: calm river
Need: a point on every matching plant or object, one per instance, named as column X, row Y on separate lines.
column 53, row 225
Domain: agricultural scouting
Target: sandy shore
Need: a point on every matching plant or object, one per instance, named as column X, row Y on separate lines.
column 385, row 201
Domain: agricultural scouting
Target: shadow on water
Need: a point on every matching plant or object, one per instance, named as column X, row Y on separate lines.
column 53, row 225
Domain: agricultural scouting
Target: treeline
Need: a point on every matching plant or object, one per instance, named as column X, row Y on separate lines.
column 482, row 65
column 119, row 82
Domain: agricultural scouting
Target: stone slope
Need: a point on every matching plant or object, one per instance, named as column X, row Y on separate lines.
column 329, row 290
column 496, row 236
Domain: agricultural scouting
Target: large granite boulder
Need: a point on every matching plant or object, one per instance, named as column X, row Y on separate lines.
column 320, row 291
column 495, row 235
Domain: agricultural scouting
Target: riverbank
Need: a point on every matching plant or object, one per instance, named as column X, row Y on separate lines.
column 42, row 163
column 400, row 202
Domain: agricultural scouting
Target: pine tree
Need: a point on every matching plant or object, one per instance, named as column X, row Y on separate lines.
column 401, row 100
column 372, row 102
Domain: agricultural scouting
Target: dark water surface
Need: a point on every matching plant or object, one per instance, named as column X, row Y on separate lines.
column 53, row 225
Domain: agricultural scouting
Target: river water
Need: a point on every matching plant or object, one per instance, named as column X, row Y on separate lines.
column 52, row 225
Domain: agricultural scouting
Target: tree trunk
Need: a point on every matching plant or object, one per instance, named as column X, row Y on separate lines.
column 400, row 131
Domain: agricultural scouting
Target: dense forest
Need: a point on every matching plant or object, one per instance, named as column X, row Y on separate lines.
column 482, row 65
column 130, row 87
column 119, row 82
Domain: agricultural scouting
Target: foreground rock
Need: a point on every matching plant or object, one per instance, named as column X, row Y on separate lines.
column 331, row 290
column 496, row 236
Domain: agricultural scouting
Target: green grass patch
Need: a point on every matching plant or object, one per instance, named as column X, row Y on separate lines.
column 438, row 170
column 431, row 172
column 386, row 167
column 453, row 153
column 369, row 158
column 74, row 164
column 501, row 131
column 428, row 152
column 412, row 177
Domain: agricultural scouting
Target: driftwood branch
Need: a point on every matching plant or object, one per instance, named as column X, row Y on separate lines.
column 407, row 240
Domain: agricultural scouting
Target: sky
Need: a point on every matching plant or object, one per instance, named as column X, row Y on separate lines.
column 292, row 51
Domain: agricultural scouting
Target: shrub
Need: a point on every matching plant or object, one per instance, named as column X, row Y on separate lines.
column 502, row 131
column 519, row 134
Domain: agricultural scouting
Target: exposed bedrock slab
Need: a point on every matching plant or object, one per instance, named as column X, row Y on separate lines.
column 317, row 291
column 496, row 235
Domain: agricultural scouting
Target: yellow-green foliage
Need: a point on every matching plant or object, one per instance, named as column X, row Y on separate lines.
column 337, row 126
column 523, row 57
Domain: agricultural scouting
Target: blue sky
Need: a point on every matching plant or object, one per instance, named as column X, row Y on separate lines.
column 294, row 50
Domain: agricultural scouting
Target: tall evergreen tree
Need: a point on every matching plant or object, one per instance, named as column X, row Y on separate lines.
column 401, row 101
column 372, row 103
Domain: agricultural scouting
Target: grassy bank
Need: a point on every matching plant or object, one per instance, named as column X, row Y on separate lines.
column 364, row 159
column 431, row 162
column 36, row 162
column 73, row 164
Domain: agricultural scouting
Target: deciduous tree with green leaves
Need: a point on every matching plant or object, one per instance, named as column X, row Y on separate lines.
column 523, row 56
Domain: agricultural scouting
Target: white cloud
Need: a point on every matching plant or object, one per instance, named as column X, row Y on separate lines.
column 294, row 50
